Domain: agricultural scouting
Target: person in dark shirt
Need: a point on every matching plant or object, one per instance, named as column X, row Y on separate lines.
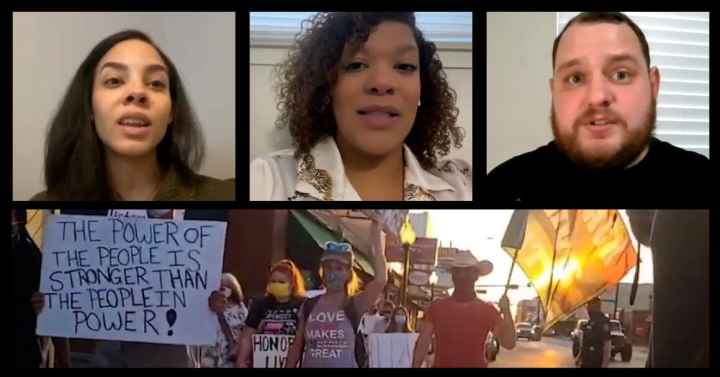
column 277, row 312
column 27, row 261
column 26, row 278
column 680, row 242
column 603, row 114
column 595, row 348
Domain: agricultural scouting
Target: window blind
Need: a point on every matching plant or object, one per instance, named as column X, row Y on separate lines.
column 447, row 29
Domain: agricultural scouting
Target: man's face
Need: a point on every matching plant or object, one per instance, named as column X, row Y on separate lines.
column 603, row 95
column 464, row 278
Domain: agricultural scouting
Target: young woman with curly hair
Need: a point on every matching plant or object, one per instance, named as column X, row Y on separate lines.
column 370, row 113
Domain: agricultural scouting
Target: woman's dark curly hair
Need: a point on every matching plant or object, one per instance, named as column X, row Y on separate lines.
column 310, row 72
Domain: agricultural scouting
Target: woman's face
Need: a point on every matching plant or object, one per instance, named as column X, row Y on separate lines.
column 335, row 275
column 280, row 277
column 226, row 291
column 376, row 96
column 335, row 266
column 131, row 99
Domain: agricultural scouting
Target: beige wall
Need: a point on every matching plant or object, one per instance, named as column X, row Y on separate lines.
column 49, row 47
column 265, row 137
column 519, row 52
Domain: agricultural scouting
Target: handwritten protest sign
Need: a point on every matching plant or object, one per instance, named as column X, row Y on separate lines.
column 128, row 213
column 270, row 351
column 394, row 350
column 129, row 278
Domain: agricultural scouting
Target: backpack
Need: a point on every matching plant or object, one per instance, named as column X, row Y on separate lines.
column 360, row 353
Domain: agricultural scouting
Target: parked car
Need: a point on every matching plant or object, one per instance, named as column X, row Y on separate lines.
column 528, row 331
column 492, row 346
column 620, row 343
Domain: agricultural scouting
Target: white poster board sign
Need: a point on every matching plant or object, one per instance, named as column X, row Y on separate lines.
column 393, row 350
column 270, row 351
column 130, row 278
column 128, row 213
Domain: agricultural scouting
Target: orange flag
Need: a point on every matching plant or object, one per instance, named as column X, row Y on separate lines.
column 570, row 256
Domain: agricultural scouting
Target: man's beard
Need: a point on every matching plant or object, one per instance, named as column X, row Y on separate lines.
column 634, row 143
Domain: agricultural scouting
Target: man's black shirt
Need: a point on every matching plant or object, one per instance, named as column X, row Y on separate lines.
column 668, row 176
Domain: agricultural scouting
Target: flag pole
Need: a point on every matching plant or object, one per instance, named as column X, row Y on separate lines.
column 512, row 266
column 514, row 238
column 633, row 291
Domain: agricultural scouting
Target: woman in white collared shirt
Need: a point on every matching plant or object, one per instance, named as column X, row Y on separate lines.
column 370, row 113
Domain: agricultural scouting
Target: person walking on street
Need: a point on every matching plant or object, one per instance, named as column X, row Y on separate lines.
column 399, row 321
column 595, row 345
column 460, row 323
column 276, row 313
column 230, row 309
column 327, row 335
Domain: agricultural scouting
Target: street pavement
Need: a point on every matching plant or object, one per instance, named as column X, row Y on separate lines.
column 555, row 352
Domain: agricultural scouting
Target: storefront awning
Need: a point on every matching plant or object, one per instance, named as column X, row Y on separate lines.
column 306, row 238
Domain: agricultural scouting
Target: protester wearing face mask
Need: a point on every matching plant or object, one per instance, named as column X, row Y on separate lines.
column 327, row 334
column 378, row 319
column 399, row 321
column 231, row 312
column 375, row 321
column 277, row 313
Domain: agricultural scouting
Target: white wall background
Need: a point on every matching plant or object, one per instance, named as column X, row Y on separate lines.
column 265, row 137
column 49, row 47
column 519, row 65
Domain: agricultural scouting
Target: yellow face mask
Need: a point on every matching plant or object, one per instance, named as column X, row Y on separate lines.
column 279, row 290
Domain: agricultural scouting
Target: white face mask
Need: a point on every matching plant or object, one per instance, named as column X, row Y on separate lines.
column 400, row 319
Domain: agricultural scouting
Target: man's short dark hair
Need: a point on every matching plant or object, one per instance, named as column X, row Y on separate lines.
column 604, row 17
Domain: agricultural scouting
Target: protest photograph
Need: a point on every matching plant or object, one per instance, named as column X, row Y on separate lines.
column 332, row 288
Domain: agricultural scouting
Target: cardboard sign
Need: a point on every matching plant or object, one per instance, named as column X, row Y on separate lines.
column 143, row 213
column 130, row 278
column 393, row 350
column 423, row 251
column 391, row 218
column 270, row 351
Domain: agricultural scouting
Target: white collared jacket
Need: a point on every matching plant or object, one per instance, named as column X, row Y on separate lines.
column 321, row 176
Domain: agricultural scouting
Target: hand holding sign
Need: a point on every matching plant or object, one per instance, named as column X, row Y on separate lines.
column 270, row 351
column 38, row 302
column 217, row 302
